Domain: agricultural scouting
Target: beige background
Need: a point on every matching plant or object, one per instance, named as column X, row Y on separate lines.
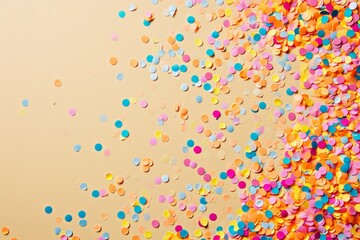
column 70, row 40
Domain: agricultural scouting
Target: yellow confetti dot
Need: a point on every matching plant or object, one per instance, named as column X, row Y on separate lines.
column 109, row 176
column 357, row 207
column 198, row 42
column 277, row 102
column 158, row 134
column 148, row 234
column 214, row 100
column 197, row 233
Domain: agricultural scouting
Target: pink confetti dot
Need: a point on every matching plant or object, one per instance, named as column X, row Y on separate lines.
column 107, row 152
column 143, row 103
column 187, row 162
column 193, row 164
column 186, row 58
column 291, row 116
column 72, row 112
column 157, row 181
column 207, row 177
column 155, row 223
column 201, row 171
column 182, row 206
column 153, row 141
column 162, row 198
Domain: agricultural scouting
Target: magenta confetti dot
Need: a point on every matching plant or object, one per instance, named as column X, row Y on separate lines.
column 178, row 228
column 230, row 173
column 197, row 149
column 242, row 184
column 212, row 216
column 216, row 114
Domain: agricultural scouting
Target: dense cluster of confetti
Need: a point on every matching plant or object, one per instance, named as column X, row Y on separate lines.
column 302, row 184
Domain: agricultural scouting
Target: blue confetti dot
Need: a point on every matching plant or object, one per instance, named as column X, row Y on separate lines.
column 77, row 148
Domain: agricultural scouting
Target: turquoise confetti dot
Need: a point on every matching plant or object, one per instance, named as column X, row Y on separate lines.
column 98, row 147
column 126, row 102
column 262, row 31
column 146, row 23
column 190, row 143
column 68, row 218
column 210, row 52
column 142, row 200
column 183, row 68
column 254, row 136
column 321, row 33
column 122, row 14
column 48, row 209
column 245, row 208
column 323, row 108
column 347, row 187
column 190, row 19
column 207, row 86
column 137, row 209
column 125, row 133
column 331, row 209
column 195, row 79
column 118, row 124
column 184, row 233
column 215, row 34
column 309, row 55
column 121, row 215
column 319, row 204
column 262, row 105
column 95, row 194
column 179, row 37
column 329, row 176
column 238, row 66
column 82, row 214
column 257, row 37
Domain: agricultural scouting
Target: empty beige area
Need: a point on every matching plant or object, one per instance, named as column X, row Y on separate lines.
column 70, row 40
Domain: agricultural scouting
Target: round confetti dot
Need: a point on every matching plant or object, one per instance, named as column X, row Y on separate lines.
column 57, row 83
column 48, row 209
column 118, row 124
column 81, row 214
column 72, row 112
column 121, row 14
column 98, row 147
column 68, row 218
column 197, row 149
column 77, row 148
column 25, row 102
column 82, row 223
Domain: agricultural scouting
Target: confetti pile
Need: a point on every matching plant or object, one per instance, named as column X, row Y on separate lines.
column 302, row 182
